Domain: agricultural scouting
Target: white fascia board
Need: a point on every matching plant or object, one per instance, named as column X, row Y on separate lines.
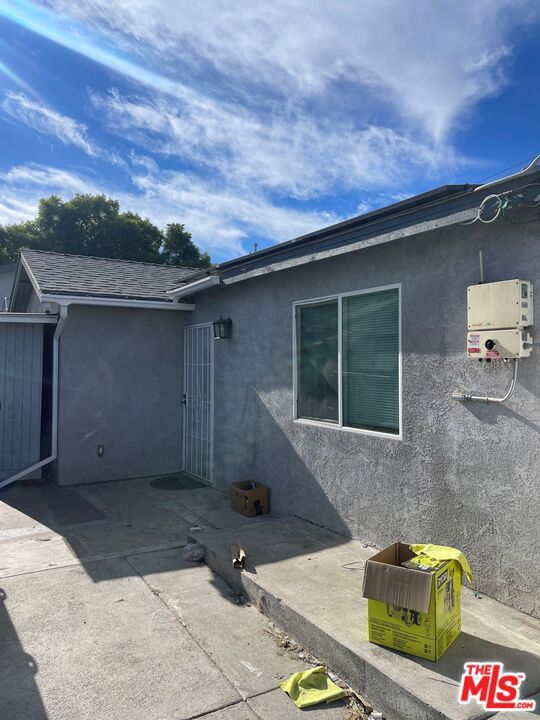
column 64, row 300
column 194, row 287
column 11, row 317
column 30, row 275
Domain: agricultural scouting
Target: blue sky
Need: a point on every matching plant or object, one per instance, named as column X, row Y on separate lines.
column 257, row 121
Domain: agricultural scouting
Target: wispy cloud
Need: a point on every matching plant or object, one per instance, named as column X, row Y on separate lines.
column 241, row 116
column 430, row 61
column 218, row 217
column 47, row 121
column 290, row 153
column 55, row 179
column 22, row 186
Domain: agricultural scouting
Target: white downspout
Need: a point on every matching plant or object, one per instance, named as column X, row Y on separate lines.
column 63, row 313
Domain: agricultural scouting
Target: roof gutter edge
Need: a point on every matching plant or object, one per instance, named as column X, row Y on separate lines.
column 194, row 287
column 65, row 300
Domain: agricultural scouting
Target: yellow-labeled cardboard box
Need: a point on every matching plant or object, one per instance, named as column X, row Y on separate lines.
column 414, row 611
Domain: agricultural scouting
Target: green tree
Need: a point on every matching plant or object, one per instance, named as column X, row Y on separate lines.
column 13, row 237
column 94, row 225
column 179, row 248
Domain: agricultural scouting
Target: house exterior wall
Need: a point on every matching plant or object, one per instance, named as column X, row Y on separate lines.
column 465, row 475
column 7, row 274
column 120, row 387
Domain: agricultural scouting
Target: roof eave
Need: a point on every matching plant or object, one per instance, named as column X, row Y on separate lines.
column 196, row 286
column 100, row 301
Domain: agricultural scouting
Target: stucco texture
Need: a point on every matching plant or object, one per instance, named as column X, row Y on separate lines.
column 120, row 387
column 465, row 475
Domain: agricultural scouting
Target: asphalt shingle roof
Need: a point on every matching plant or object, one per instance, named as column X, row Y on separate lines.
column 60, row 274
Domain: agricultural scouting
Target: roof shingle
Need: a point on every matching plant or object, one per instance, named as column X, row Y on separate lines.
column 60, row 274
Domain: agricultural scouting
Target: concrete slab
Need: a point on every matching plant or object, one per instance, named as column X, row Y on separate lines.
column 31, row 553
column 127, row 537
column 240, row 711
column 295, row 573
column 224, row 516
column 277, row 704
column 13, row 519
column 234, row 635
column 518, row 715
column 201, row 499
column 49, row 504
column 107, row 650
column 146, row 503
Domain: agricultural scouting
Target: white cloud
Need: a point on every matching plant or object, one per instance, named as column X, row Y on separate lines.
column 53, row 179
column 143, row 161
column 292, row 154
column 259, row 105
column 218, row 218
column 22, row 186
column 47, row 121
column 429, row 61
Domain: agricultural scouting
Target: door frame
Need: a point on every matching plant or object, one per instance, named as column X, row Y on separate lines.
column 210, row 478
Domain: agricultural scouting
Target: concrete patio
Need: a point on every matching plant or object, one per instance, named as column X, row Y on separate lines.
column 101, row 618
column 295, row 573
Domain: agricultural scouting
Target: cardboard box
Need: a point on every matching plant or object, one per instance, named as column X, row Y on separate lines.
column 414, row 611
column 248, row 500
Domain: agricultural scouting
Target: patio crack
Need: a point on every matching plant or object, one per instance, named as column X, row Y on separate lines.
column 184, row 626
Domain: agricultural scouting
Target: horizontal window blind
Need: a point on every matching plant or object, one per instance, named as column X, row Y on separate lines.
column 370, row 346
column 317, row 361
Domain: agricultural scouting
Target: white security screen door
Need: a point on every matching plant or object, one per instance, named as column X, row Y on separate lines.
column 198, row 401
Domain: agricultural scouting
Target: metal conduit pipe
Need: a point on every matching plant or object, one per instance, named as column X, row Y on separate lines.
column 486, row 398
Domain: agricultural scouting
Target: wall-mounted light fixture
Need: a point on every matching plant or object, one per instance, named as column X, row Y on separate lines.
column 222, row 328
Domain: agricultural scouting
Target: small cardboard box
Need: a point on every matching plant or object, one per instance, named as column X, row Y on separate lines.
column 414, row 611
column 248, row 500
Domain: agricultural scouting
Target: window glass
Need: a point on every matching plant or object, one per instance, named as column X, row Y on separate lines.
column 370, row 344
column 369, row 338
column 317, row 345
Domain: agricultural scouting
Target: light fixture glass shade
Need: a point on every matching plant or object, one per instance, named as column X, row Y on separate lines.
column 222, row 328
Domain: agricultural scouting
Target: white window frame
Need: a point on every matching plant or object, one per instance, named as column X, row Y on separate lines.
column 339, row 425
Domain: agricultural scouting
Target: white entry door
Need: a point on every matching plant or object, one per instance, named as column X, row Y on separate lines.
column 198, row 401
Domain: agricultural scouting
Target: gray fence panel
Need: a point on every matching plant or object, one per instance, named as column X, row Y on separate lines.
column 21, row 359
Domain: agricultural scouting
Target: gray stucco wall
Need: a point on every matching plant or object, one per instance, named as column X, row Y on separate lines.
column 120, row 387
column 463, row 475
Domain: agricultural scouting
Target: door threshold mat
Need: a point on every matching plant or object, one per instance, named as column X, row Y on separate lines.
column 182, row 481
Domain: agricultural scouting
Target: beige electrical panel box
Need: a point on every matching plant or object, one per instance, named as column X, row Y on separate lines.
column 498, row 344
column 507, row 304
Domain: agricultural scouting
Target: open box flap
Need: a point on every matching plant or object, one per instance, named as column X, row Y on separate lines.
column 387, row 581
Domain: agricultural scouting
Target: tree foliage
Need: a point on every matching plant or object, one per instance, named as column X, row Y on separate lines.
column 179, row 248
column 94, row 225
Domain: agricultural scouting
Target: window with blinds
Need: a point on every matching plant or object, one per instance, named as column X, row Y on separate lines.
column 347, row 361
column 317, row 329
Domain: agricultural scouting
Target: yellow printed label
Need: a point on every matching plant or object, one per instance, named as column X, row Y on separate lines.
column 426, row 635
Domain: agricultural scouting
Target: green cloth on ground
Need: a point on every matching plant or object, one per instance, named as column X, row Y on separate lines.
column 311, row 687
column 441, row 552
